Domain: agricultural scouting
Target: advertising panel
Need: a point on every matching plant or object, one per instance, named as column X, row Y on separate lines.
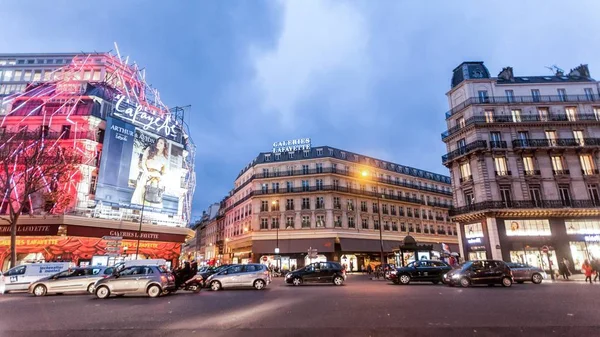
column 143, row 162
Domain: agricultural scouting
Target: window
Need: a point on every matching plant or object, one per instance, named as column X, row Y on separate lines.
column 289, row 186
column 557, row 164
column 469, row 198
column 319, row 152
column 350, row 205
column 365, row 224
column 375, row 208
column 289, row 205
column 551, row 137
column 516, row 115
column 527, row 227
column 320, row 221
column 402, row 227
column 305, row 169
column 483, row 96
column 275, row 187
column 461, row 143
column 305, row 186
column 336, row 184
column 501, row 166
column 582, row 227
column 535, row 94
column 97, row 75
column 7, row 75
column 571, row 113
column 587, row 164
column 351, row 223
column 593, row 192
column 305, row 203
column 376, row 225
column 562, row 95
column 319, row 167
column 597, row 113
column 543, row 113
column 411, row 228
column 523, row 136
column 291, row 155
column 489, row 116
column 394, row 226
column 264, row 188
column 264, row 223
column 578, row 136
column 277, row 156
column 37, row 75
column 495, row 137
column 343, row 155
column 93, row 183
column 363, row 206
column 529, row 166
column 337, row 222
column 565, row 194
column 535, row 194
column 510, row 96
column 465, row 172
column 319, row 184
column 267, row 157
column 320, row 203
column 305, row 221
column 386, row 226
column 334, row 168
column 505, row 194
column 264, row 206
column 275, row 223
column 460, row 122
column 384, row 208
column 306, row 153
column 589, row 94
column 392, row 209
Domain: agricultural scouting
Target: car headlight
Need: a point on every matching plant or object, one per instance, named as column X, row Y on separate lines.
column 393, row 272
column 288, row 275
column 456, row 276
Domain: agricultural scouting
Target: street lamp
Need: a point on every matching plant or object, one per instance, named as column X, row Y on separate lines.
column 273, row 203
column 365, row 174
column 137, row 248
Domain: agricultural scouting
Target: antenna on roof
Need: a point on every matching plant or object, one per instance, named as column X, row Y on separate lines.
column 556, row 70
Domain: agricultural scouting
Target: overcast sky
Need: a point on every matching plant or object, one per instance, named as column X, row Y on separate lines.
column 364, row 76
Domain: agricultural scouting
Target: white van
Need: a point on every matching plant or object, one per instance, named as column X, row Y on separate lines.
column 20, row 277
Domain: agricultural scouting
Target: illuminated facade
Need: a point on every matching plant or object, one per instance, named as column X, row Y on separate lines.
column 137, row 155
column 523, row 153
column 335, row 202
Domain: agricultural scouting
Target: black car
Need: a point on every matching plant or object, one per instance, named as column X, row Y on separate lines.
column 420, row 271
column 209, row 271
column 488, row 272
column 318, row 272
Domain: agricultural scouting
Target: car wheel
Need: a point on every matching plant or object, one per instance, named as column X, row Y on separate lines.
column 154, row 291
column 297, row 281
column 215, row 285
column 259, row 284
column 196, row 288
column 464, row 282
column 536, row 278
column 506, row 282
column 102, row 292
column 40, row 290
column 338, row 280
column 404, row 279
column 90, row 288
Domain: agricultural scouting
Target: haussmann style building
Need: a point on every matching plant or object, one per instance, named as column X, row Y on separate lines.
column 523, row 154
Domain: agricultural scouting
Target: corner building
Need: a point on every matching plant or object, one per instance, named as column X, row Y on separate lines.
column 334, row 202
column 523, row 154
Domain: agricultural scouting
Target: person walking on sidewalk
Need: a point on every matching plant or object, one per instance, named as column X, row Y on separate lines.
column 587, row 270
column 596, row 268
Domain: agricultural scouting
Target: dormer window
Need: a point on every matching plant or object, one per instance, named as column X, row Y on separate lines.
column 306, row 153
column 331, row 152
column 291, row 155
column 319, row 152
column 268, row 157
column 355, row 157
column 343, row 154
column 277, row 156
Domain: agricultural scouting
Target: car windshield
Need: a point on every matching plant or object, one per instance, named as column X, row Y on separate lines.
column 163, row 269
column 465, row 265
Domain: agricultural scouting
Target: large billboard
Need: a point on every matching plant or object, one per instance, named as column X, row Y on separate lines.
column 143, row 162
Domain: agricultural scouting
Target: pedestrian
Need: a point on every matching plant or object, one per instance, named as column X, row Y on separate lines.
column 562, row 268
column 596, row 268
column 369, row 269
column 587, row 270
column 351, row 266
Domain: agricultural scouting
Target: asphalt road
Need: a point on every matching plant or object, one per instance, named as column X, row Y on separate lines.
column 359, row 308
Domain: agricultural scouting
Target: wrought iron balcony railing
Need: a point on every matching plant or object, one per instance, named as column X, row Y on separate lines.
column 476, row 145
column 490, row 205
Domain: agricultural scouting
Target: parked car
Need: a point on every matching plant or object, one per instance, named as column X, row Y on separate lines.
column 420, row 271
column 20, row 277
column 152, row 280
column 206, row 272
column 525, row 273
column 318, row 272
column 71, row 280
column 488, row 272
column 240, row 275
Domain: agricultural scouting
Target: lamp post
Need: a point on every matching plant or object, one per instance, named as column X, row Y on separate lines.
column 139, row 235
column 365, row 174
column 273, row 203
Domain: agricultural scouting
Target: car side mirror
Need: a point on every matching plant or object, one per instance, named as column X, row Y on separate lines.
column 54, row 277
column 225, row 272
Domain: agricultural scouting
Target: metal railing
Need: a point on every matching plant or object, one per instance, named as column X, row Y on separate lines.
column 489, row 205
column 521, row 100
column 478, row 144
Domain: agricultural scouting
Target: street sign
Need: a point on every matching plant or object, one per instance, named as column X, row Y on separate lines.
column 545, row 249
column 276, row 250
column 112, row 249
column 112, row 255
column 312, row 253
column 277, row 257
column 113, row 238
column 113, row 243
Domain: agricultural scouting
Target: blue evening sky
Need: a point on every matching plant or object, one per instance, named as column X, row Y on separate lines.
column 365, row 76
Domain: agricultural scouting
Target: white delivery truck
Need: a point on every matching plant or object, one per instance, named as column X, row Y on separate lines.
column 20, row 277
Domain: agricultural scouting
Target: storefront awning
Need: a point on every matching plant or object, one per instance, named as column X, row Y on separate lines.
column 288, row 246
column 367, row 245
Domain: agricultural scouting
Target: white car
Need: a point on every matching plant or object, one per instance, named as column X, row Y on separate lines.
column 20, row 277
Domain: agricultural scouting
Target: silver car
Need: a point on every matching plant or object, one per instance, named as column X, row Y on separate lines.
column 151, row 280
column 71, row 280
column 525, row 273
column 240, row 275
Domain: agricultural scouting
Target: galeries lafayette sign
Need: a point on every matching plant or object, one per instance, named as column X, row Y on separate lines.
column 73, row 230
column 291, row 145
column 30, row 230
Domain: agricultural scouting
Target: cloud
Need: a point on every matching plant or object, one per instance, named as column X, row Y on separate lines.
column 319, row 41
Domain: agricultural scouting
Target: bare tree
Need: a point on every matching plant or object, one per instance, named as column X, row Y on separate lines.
column 33, row 165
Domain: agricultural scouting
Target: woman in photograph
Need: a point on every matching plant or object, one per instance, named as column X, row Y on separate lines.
column 153, row 168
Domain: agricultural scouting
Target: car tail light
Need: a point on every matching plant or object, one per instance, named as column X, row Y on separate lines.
column 163, row 278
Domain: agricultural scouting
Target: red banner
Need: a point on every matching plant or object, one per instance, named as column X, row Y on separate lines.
column 72, row 248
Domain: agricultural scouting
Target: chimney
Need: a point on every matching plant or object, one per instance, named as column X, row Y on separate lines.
column 507, row 74
column 582, row 70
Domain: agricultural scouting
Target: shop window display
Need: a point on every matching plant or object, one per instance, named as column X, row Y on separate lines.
column 533, row 256
column 581, row 251
column 527, row 227
column 479, row 255
column 474, row 230
column 582, row 226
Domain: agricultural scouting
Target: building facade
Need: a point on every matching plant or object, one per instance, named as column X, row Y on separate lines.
column 333, row 203
column 523, row 155
column 136, row 158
